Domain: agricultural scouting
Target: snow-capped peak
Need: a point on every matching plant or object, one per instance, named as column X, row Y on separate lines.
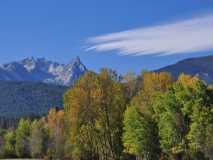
column 29, row 63
column 32, row 69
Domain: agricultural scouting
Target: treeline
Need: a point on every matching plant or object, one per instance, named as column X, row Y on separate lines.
column 42, row 138
column 109, row 117
column 28, row 99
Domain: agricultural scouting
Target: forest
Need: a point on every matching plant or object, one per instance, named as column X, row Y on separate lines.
column 27, row 99
column 107, row 116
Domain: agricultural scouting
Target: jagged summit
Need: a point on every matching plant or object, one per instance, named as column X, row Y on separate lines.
column 42, row 70
column 76, row 60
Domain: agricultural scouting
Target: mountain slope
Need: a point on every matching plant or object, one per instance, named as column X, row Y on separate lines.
column 42, row 70
column 201, row 67
column 28, row 98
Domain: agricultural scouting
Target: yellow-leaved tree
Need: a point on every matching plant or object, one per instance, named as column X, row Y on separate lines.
column 94, row 109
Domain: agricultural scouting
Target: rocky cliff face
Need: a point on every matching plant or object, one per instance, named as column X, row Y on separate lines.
column 42, row 70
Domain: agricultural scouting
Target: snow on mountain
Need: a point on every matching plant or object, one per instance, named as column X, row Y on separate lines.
column 42, row 70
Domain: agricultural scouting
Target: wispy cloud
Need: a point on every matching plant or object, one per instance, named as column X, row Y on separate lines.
column 186, row 36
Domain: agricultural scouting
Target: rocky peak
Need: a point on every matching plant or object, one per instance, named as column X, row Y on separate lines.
column 76, row 64
column 32, row 69
column 29, row 63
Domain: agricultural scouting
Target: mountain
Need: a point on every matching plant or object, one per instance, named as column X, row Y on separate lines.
column 201, row 67
column 19, row 99
column 31, row 87
column 42, row 70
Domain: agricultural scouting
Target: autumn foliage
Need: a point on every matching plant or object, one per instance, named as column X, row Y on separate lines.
column 107, row 116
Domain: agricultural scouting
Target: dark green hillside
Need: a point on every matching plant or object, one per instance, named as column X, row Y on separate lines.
column 200, row 66
column 28, row 98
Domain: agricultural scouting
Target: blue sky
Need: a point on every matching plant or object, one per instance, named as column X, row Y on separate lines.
column 61, row 30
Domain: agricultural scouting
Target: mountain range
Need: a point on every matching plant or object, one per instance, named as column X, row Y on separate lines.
column 30, row 87
column 201, row 67
column 33, row 86
column 42, row 70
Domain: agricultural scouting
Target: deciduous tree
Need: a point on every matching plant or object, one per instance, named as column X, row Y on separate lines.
column 22, row 139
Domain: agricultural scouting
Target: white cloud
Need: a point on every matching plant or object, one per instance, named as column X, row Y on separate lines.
column 185, row 36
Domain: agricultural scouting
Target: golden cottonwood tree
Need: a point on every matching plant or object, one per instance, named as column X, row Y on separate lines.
column 94, row 111
column 38, row 138
column 55, row 123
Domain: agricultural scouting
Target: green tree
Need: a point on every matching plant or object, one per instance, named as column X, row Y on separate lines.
column 38, row 139
column 142, row 106
column 153, row 84
column 174, row 112
column 170, row 124
column 22, row 146
column 140, row 137
column 200, row 134
column 8, row 150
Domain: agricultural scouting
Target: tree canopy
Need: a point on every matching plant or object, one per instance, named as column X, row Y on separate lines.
column 111, row 117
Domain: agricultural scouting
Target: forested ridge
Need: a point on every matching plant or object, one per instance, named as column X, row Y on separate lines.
column 199, row 66
column 21, row 98
column 111, row 117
